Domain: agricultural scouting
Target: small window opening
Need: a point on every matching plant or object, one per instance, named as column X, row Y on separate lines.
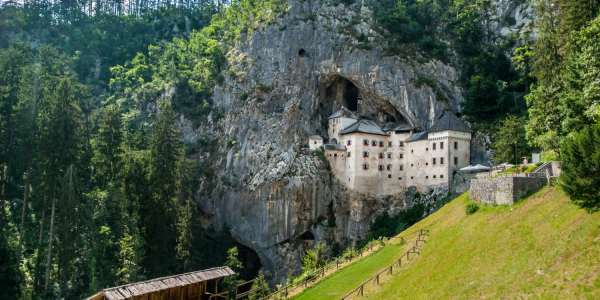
column 302, row 53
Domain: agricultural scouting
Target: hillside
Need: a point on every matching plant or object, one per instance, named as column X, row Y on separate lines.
column 543, row 247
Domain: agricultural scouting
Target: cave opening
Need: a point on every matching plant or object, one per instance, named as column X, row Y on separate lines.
column 307, row 236
column 302, row 53
column 342, row 92
column 250, row 261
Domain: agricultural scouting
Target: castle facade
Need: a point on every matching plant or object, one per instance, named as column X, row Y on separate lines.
column 386, row 160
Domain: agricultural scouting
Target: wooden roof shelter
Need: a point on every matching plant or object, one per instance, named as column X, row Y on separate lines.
column 194, row 285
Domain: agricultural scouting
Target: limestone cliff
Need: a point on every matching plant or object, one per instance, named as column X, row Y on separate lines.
column 282, row 83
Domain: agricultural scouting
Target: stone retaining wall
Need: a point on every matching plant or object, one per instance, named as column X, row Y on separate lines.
column 504, row 190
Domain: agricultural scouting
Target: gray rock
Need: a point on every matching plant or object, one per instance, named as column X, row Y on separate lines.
column 266, row 189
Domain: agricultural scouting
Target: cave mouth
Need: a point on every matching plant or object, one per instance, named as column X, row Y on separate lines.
column 342, row 92
column 250, row 261
column 307, row 236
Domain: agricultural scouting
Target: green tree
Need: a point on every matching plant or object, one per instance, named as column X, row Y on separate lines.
column 230, row 283
column 107, row 145
column 510, row 144
column 60, row 124
column 581, row 167
column 159, row 214
column 260, row 288
column 314, row 258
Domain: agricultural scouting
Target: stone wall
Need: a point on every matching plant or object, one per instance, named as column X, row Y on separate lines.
column 504, row 190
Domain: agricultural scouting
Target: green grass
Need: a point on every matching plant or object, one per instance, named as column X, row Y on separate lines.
column 341, row 282
column 544, row 247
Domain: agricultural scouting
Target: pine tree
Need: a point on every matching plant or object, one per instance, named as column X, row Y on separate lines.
column 509, row 142
column 260, row 288
column 159, row 214
column 60, row 127
column 581, row 167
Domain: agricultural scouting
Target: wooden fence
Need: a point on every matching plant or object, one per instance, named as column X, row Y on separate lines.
column 414, row 250
column 315, row 276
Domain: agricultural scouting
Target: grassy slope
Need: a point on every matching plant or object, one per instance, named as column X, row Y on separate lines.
column 543, row 247
column 339, row 283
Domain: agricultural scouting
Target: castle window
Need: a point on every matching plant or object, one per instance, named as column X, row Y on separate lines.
column 427, row 164
column 412, row 165
column 374, row 143
column 365, row 166
column 412, row 177
column 389, row 155
column 335, row 155
column 401, row 144
column 399, row 178
column 434, row 176
column 349, row 142
column 389, row 167
column 434, row 146
column 380, row 167
column 389, row 144
column 390, row 176
column 380, row 143
column 365, row 154
column 401, row 155
column 412, row 151
column 426, row 177
column 380, row 155
column 441, row 160
column 366, row 142
column 455, row 160
column 427, row 149
column 441, row 176
column 349, row 153
column 433, row 161
column 401, row 167
column 441, row 145
column 455, row 145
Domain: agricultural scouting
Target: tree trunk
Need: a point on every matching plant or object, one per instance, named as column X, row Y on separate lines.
column 3, row 178
column 24, row 209
column 50, row 238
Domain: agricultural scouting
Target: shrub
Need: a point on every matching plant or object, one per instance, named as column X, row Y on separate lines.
column 581, row 167
column 471, row 208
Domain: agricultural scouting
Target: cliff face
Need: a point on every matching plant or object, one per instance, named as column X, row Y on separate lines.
column 282, row 83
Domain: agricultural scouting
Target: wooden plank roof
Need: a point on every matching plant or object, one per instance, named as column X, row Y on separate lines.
column 131, row 290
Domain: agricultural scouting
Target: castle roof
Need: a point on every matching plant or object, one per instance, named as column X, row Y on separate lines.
column 315, row 137
column 363, row 126
column 449, row 121
column 404, row 127
column 343, row 112
column 334, row 147
column 417, row 136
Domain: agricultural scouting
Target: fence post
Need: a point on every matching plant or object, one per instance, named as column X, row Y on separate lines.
column 361, row 290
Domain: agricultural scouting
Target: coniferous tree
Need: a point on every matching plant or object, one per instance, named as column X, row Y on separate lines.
column 510, row 144
column 581, row 167
column 159, row 214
